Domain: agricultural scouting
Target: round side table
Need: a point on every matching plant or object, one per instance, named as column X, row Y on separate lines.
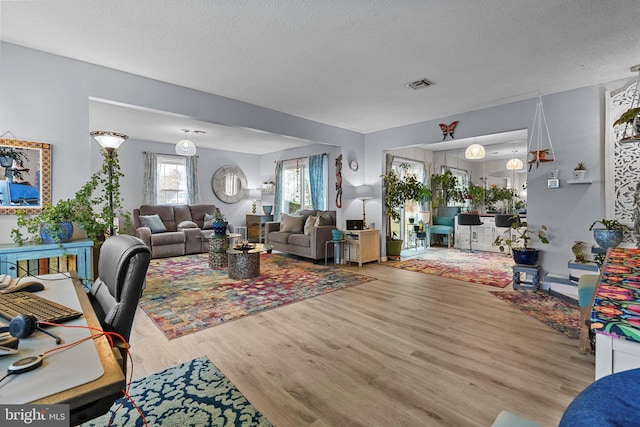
column 244, row 264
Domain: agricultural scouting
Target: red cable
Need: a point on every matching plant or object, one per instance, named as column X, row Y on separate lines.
column 109, row 337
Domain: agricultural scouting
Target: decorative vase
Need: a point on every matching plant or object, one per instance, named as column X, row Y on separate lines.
column 336, row 234
column 220, row 228
column 607, row 238
column 267, row 209
column 528, row 256
column 64, row 234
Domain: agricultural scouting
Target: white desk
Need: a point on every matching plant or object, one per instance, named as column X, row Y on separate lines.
column 76, row 376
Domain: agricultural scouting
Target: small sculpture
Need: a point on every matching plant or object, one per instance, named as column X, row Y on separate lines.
column 578, row 252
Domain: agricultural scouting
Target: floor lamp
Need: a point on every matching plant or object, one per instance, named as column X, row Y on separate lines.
column 109, row 141
column 364, row 192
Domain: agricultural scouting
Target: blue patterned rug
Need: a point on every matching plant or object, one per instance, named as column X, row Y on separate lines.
column 195, row 393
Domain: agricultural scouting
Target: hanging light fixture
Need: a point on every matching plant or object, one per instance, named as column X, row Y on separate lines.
column 514, row 164
column 185, row 147
column 474, row 152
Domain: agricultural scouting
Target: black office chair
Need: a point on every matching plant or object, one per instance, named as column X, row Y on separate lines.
column 470, row 220
column 122, row 268
column 507, row 221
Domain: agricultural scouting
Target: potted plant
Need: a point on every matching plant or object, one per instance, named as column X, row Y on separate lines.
column 579, row 171
column 611, row 235
column 443, row 188
column 219, row 224
column 336, row 234
column 518, row 242
column 397, row 190
column 93, row 208
column 9, row 154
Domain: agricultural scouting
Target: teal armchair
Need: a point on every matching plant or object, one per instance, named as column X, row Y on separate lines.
column 444, row 223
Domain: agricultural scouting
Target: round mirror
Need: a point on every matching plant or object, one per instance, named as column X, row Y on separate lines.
column 228, row 184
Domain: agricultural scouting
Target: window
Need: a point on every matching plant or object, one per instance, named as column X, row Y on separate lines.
column 296, row 193
column 172, row 180
column 296, row 186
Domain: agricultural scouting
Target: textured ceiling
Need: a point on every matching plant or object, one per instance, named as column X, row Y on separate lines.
column 345, row 63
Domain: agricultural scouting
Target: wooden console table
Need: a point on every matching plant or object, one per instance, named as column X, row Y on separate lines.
column 255, row 227
column 615, row 317
column 47, row 258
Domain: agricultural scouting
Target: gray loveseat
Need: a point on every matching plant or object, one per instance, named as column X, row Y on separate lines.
column 299, row 235
column 183, row 224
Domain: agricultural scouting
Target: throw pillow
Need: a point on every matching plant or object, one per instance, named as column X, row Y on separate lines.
column 187, row 224
column 309, row 224
column 324, row 220
column 153, row 222
column 208, row 221
column 291, row 224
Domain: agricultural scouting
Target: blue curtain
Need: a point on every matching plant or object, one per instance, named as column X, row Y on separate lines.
column 277, row 198
column 149, row 189
column 193, row 190
column 317, row 181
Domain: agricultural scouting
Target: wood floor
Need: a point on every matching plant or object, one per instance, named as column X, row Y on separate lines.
column 407, row 349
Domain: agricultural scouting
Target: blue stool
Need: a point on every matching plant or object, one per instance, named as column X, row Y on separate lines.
column 531, row 279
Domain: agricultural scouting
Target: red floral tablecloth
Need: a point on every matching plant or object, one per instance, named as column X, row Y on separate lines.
column 616, row 306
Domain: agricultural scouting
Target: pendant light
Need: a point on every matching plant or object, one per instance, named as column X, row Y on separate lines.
column 514, row 164
column 185, row 147
column 474, row 152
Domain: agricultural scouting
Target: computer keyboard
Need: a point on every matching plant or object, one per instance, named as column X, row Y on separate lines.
column 17, row 303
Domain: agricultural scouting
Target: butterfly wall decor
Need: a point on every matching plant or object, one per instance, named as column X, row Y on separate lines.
column 448, row 130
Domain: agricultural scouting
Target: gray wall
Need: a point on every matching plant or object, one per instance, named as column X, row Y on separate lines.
column 45, row 98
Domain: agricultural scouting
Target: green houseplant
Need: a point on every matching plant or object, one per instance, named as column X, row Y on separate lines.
column 398, row 190
column 90, row 208
column 518, row 242
column 611, row 235
column 219, row 224
column 443, row 188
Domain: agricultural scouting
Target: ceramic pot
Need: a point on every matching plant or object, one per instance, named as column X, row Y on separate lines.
column 579, row 174
column 220, row 228
column 394, row 247
column 528, row 256
column 607, row 238
column 64, row 235
column 267, row 209
column 336, row 234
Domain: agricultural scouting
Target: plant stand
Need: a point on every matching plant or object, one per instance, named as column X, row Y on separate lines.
column 526, row 277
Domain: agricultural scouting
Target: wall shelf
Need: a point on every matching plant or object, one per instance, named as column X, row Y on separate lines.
column 579, row 181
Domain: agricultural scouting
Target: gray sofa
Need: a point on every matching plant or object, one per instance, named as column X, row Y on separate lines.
column 184, row 229
column 296, row 235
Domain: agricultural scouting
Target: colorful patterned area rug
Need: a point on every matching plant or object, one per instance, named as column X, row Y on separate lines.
column 195, row 393
column 183, row 295
column 485, row 268
column 554, row 312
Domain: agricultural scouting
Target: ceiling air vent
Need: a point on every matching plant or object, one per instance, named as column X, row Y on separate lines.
column 419, row 84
